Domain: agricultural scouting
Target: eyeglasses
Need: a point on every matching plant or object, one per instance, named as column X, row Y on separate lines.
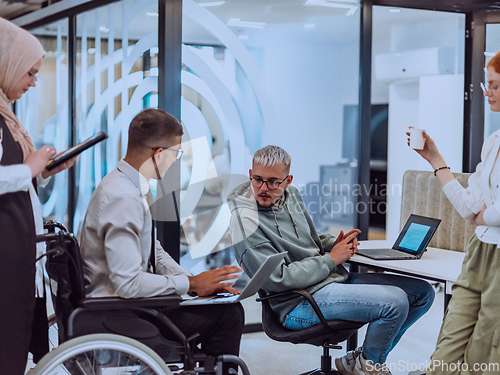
column 178, row 152
column 258, row 182
column 487, row 89
column 34, row 77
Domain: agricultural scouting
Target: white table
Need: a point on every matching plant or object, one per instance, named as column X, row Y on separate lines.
column 435, row 265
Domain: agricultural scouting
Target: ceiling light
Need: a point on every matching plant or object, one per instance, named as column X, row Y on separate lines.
column 394, row 10
column 243, row 37
column 211, row 4
column 104, row 29
column 309, row 25
column 236, row 22
column 351, row 8
column 152, row 14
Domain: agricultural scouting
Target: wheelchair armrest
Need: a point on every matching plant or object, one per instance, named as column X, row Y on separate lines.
column 109, row 303
column 309, row 298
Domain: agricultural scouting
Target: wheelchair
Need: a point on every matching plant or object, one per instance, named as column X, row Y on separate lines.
column 112, row 335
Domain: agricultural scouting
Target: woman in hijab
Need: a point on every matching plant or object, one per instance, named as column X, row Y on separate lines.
column 21, row 170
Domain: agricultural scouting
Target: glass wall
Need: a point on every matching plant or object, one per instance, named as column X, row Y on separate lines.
column 491, row 119
column 283, row 73
column 418, row 74
column 44, row 112
column 116, row 78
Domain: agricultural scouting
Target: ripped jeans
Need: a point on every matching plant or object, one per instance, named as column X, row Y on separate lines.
column 391, row 303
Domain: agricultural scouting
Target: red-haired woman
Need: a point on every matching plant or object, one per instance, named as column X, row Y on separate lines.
column 469, row 340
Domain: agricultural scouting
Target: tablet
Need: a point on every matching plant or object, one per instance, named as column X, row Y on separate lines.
column 75, row 150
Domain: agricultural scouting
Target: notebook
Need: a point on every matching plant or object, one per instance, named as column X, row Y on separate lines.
column 411, row 242
column 251, row 288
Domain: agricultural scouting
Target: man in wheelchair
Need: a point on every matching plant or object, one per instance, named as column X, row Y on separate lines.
column 121, row 258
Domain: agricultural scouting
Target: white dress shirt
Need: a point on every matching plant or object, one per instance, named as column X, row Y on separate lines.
column 15, row 178
column 483, row 192
column 116, row 242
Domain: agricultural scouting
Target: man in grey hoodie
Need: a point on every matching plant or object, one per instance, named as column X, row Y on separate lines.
column 268, row 216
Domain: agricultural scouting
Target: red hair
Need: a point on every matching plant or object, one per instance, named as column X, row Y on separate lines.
column 494, row 63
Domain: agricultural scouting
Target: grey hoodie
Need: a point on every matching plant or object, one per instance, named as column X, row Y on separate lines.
column 257, row 232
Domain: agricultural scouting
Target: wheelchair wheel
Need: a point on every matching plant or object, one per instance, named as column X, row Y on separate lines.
column 101, row 354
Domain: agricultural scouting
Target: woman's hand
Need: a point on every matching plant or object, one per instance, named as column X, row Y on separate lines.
column 430, row 151
column 37, row 160
column 478, row 219
column 62, row 167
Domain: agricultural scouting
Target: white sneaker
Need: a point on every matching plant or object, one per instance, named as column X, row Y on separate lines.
column 346, row 363
column 364, row 366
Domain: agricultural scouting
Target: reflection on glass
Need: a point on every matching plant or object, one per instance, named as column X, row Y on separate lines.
column 113, row 84
column 44, row 112
column 257, row 74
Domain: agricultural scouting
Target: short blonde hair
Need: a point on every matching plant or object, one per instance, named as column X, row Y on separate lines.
column 269, row 156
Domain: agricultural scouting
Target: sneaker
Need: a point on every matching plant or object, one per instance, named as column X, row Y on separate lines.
column 364, row 366
column 346, row 363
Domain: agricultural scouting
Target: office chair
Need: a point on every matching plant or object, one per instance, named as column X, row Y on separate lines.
column 112, row 332
column 327, row 334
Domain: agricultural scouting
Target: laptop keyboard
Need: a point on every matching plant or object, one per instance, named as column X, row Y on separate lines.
column 225, row 298
column 388, row 253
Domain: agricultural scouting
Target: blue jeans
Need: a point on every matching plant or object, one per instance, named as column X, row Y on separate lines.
column 391, row 304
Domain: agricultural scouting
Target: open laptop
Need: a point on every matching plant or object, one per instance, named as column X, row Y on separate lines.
column 251, row 288
column 411, row 243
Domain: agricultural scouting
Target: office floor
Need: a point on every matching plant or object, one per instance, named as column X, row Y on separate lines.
column 264, row 356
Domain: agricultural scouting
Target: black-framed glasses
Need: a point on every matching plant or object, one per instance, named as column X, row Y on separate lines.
column 177, row 152
column 257, row 182
column 34, row 77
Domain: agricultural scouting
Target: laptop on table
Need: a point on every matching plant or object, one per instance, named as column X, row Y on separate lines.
column 411, row 242
column 250, row 289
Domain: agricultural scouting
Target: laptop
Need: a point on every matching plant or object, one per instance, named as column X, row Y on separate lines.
column 411, row 243
column 250, row 289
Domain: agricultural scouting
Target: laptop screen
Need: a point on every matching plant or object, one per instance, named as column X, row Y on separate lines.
column 416, row 234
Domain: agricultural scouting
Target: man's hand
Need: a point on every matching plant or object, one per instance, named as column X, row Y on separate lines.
column 346, row 248
column 341, row 235
column 229, row 290
column 208, row 282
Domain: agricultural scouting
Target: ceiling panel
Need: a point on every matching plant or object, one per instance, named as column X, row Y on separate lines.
column 12, row 8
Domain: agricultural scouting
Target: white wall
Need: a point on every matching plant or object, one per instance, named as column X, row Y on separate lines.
column 310, row 84
column 433, row 103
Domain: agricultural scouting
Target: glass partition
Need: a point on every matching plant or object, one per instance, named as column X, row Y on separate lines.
column 418, row 74
column 491, row 119
column 44, row 112
column 282, row 73
column 117, row 47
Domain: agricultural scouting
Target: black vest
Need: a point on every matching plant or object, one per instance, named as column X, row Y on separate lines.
column 17, row 266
